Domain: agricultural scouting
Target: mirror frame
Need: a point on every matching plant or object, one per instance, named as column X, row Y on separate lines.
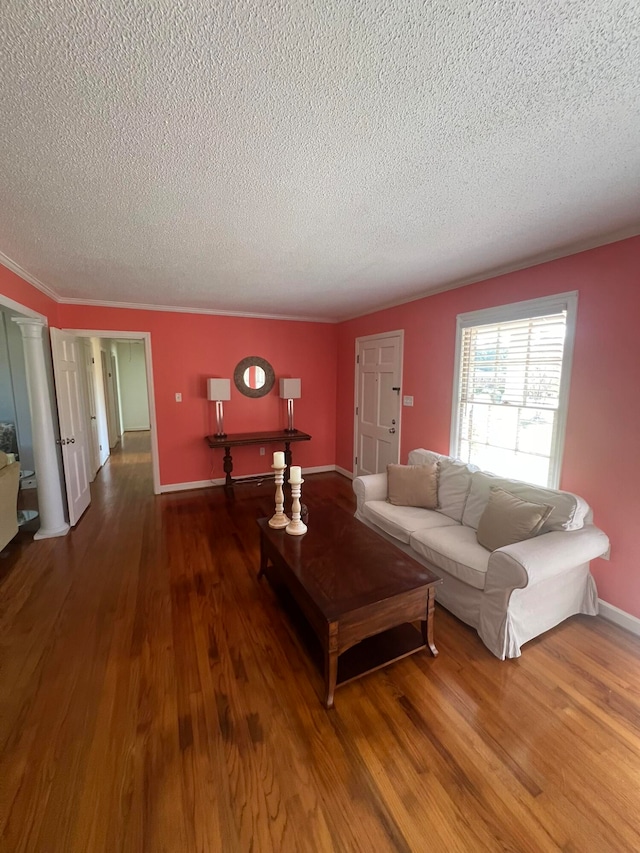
column 253, row 361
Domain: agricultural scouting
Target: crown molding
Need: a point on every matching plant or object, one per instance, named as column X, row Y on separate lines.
column 532, row 261
column 179, row 309
column 31, row 279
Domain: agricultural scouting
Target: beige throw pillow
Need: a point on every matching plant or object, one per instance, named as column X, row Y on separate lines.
column 507, row 519
column 413, row 485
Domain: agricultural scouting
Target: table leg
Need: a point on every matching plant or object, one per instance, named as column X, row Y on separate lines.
column 228, row 468
column 287, row 461
column 427, row 624
column 330, row 664
column 264, row 560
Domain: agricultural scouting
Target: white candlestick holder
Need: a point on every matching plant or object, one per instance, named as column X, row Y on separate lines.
column 296, row 527
column 279, row 520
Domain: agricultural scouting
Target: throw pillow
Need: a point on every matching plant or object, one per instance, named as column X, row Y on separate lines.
column 413, row 485
column 508, row 519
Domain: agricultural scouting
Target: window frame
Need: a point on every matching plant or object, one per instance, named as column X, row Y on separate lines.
column 526, row 309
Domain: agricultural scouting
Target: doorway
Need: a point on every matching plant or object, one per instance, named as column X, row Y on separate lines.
column 378, row 383
column 124, row 392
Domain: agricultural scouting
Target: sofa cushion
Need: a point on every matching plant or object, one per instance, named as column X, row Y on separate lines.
column 568, row 513
column 454, row 480
column 508, row 519
column 413, row 485
column 401, row 521
column 455, row 550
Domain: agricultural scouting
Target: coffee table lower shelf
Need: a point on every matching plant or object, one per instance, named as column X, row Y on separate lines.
column 378, row 651
column 367, row 656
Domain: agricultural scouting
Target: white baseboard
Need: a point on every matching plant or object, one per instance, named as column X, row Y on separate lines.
column 196, row 484
column 344, row 472
column 620, row 617
column 220, row 481
column 319, row 469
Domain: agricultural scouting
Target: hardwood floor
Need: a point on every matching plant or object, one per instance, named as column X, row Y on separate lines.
column 153, row 697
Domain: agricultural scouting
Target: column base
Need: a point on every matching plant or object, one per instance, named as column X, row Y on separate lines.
column 43, row 533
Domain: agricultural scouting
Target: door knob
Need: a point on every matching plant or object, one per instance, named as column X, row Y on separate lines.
column 393, row 429
column 71, row 441
column 60, row 441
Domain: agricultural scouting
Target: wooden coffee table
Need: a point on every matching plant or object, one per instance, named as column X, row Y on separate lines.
column 357, row 591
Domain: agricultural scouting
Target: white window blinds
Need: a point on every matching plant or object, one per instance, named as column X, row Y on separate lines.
column 508, row 410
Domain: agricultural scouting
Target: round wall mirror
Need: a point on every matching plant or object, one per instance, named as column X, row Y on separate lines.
column 254, row 376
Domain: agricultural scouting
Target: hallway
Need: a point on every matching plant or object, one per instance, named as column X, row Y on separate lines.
column 154, row 697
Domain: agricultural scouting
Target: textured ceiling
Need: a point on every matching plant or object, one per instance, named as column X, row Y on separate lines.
column 311, row 158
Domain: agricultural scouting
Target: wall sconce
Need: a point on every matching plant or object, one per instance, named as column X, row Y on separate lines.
column 219, row 390
column 290, row 391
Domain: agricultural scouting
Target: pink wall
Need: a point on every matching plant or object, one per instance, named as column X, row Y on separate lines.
column 15, row 288
column 189, row 348
column 601, row 459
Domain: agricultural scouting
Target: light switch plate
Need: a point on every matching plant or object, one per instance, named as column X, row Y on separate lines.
column 178, row 397
column 407, row 401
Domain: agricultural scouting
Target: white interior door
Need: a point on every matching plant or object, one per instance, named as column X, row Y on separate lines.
column 116, row 394
column 94, row 443
column 67, row 364
column 378, row 378
column 109, row 401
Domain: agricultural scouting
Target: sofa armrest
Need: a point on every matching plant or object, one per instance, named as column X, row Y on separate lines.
column 534, row 560
column 371, row 487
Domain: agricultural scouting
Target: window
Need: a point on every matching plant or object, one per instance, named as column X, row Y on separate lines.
column 513, row 365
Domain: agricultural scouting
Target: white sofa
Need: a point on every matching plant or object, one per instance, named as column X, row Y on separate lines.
column 509, row 595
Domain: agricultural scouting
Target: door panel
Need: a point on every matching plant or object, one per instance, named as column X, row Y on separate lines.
column 369, row 398
column 378, row 408
column 67, row 362
column 387, row 355
column 368, row 452
column 388, row 400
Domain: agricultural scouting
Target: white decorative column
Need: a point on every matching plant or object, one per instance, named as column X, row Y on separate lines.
column 50, row 503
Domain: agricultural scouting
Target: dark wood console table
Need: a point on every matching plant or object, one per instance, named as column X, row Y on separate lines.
column 244, row 439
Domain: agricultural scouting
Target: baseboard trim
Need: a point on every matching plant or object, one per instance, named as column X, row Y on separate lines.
column 619, row 617
column 196, row 484
column 344, row 472
column 220, row 481
column 319, row 469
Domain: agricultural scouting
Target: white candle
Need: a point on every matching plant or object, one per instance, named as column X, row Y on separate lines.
column 295, row 474
column 278, row 459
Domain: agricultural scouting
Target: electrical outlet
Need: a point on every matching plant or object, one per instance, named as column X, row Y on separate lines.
column 407, row 401
column 262, row 451
column 178, row 397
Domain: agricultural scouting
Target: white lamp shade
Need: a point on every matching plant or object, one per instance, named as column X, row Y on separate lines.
column 290, row 389
column 218, row 389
